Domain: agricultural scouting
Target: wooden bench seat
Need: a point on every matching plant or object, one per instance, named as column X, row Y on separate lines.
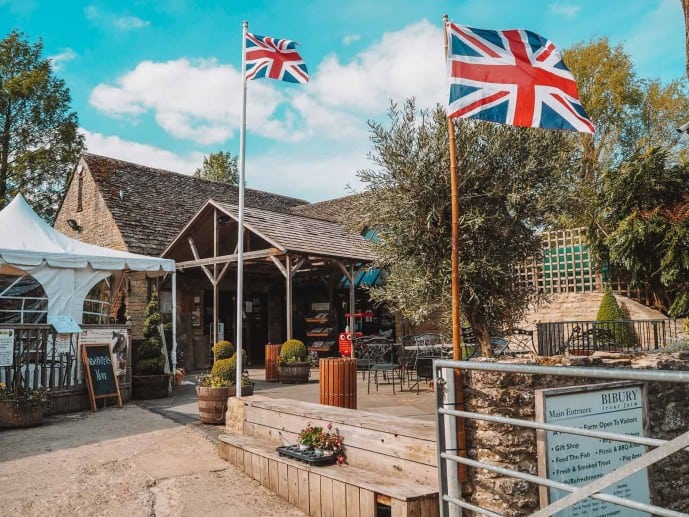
column 337, row 490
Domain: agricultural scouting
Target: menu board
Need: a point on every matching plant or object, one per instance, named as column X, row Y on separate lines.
column 577, row 460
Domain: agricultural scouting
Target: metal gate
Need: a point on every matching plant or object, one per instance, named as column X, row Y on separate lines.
column 448, row 415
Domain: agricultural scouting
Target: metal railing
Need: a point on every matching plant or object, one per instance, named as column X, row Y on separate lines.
column 586, row 337
column 450, row 413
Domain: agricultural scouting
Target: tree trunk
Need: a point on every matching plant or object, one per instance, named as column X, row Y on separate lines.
column 480, row 328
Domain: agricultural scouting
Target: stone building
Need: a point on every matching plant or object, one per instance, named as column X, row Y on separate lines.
column 131, row 207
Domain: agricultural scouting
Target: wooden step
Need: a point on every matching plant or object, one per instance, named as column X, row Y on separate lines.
column 336, row 490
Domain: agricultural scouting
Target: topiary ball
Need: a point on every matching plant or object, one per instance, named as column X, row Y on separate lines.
column 293, row 351
column 225, row 369
column 223, row 350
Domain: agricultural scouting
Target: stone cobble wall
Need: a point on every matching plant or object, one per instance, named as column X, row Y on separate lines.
column 512, row 395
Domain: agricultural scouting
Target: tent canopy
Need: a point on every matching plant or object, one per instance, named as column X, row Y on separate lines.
column 66, row 268
column 27, row 240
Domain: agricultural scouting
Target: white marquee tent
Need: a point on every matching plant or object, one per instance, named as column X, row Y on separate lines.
column 66, row 268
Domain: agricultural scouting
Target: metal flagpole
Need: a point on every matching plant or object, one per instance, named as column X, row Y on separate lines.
column 240, row 227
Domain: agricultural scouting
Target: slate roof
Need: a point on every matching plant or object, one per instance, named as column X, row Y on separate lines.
column 300, row 234
column 336, row 210
column 156, row 204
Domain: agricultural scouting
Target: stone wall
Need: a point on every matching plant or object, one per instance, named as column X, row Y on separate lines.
column 512, row 395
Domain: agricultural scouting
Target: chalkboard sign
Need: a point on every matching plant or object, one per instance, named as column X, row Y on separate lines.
column 100, row 373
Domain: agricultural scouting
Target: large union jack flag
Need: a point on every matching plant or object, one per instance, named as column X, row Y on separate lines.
column 274, row 58
column 512, row 77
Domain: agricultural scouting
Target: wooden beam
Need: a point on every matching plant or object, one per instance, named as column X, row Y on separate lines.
column 269, row 252
column 279, row 265
column 195, row 252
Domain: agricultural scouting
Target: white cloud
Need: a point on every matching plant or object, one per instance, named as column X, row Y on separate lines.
column 129, row 22
column 143, row 154
column 59, row 60
column 407, row 63
column 566, row 10
column 350, row 38
column 120, row 22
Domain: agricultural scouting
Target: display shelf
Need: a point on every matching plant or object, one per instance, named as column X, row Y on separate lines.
column 320, row 333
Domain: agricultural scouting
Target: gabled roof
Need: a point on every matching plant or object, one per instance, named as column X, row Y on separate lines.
column 291, row 233
column 151, row 206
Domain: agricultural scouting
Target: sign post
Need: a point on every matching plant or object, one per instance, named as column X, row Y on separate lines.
column 616, row 407
column 101, row 377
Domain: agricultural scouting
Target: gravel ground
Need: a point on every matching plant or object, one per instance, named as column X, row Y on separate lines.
column 124, row 462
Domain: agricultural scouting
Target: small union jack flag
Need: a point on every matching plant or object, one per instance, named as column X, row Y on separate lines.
column 512, row 77
column 275, row 59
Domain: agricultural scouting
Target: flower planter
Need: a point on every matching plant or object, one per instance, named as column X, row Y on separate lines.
column 297, row 373
column 12, row 415
column 146, row 387
column 213, row 402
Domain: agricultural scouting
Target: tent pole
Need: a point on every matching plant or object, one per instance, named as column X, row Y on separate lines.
column 174, row 321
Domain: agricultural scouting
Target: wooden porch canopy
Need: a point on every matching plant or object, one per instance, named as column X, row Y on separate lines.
column 291, row 243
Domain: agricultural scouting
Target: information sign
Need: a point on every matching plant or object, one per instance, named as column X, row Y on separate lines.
column 6, row 347
column 577, row 460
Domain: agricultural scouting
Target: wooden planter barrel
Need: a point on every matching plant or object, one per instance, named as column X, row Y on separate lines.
column 147, row 387
column 294, row 373
column 213, row 402
column 338, row 382
column 272, row 353
column 12, row 415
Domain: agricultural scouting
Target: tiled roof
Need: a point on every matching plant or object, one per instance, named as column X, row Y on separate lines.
column 151, row 206
column 338, row 210
column 296, row 233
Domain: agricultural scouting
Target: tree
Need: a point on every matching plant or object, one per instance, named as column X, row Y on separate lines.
column 506, row 182
column 644, row 230
column 39, row 142
column 220, row 166
column 629, row 113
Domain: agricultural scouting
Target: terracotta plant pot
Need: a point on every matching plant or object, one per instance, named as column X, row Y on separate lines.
column 297, row 373
column 12, row 415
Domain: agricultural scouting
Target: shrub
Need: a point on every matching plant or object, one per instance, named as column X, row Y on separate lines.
column 150, row 356
column 293, row 351
column 223, row 350
column 225, row 369
column 609, row 310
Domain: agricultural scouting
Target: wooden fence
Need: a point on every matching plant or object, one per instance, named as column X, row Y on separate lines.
column 41, row 358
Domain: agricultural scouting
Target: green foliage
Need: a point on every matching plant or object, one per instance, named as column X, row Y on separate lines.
column 508, row 183
column 609, row 309
column 220, row 166
column 629, row 113
column 39, row 139
column 643, row 231
column 225, row 369
column 223, row 350
column 293, row 351
column 150, row 352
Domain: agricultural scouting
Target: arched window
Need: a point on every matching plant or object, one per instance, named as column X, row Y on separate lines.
column 97, row 303
column 22, row 298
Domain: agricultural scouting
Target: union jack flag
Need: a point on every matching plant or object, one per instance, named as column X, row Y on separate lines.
column 274, row 58
column 512, row 77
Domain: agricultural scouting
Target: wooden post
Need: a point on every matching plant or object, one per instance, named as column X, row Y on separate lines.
column 456, row 303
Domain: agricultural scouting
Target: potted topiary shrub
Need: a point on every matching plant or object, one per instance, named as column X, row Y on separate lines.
column 214, row 389
column 293, row 364
column 150, row 381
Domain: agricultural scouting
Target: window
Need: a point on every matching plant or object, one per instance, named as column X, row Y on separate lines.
column 97, row 304
column 22, row 298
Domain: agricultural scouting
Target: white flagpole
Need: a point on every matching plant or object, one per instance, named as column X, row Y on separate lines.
column 240, row 227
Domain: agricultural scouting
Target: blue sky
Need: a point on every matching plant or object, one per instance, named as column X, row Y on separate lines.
column 158, row 82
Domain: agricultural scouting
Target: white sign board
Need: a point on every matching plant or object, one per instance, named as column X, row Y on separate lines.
column 6, row 347
column 63, row 345
column 578, row 460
